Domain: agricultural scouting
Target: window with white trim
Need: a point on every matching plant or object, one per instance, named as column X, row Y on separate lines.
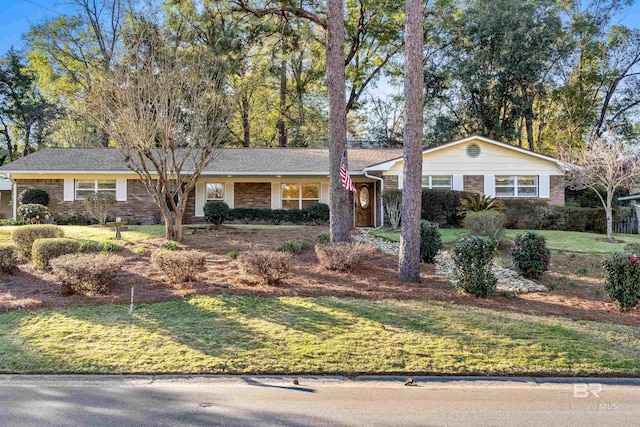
column 437, row 182
column 299, row 195
column 214, row 191
column 516, row 186
column 87, row 186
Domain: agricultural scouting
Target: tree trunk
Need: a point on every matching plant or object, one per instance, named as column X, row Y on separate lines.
column 27, row 137
column 169, row 230
column 177, row 225
column 409, row 261
column 7, row 135
column 246, row 126
column 339, row 222
column 282, row 130
column 609, row 214
column 529, row 125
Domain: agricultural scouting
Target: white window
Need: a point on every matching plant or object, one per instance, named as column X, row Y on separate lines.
column 214, row 191
column 434, row 182
column 299, row 195
column 87, row 186
column 516, row 186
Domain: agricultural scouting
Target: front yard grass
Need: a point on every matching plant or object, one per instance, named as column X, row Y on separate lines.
column 292, row 335
column 133, row 233
column 556, row 239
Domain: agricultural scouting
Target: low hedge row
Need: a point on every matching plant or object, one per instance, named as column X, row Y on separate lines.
column 218, row 212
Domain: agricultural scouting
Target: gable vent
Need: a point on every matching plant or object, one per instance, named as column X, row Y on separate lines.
column 473, row 150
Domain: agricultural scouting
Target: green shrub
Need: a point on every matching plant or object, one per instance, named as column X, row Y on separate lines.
column 633, row 248
column 44, row 250
column 430, row 241
column 525, row 214
column 266, row 267
column 480, row 203
column 171, row 245
column 99, row 204
column 344, row 256
column 530, row 255
column 8, row 260
column 473, row 258
column 109, row 246
column 24, row 237
column 34, row 214
column 392, row 202
column 140, row 250
column 318, row 213
column 233, row 254
column 323, row 238
column 275, row 216
column 622, row 279
column 90, row 246
column 86, row 273
column 216, row 212
column 33, row 196
column 279, row 215
column 584, row 220
column 79, row 219
column 179, row 266
column 442, row 206
column 486, row 224
column 294, row 246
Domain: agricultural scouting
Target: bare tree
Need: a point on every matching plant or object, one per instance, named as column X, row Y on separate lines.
column 163, row 106
column 409, row 262
column 604, row 165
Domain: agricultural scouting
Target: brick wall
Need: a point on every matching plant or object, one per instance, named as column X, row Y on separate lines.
column 390, row 182
column 556, row 190
column 138, row 204
column 474, row 184
column 252, row 195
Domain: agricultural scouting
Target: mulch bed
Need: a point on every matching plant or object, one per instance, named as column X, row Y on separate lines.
column 575, row 298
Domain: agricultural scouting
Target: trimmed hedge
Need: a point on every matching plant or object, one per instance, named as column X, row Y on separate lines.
column 8, row 261
column 179, row 266
column 216, row 212
column 264, row 267
column 442, row 206
column 87, row 273
column 44, row 250
column 274, row 216
column 33, row 196
column 23, row 237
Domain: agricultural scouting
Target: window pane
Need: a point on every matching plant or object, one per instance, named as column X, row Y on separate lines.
column 85, row 184
column 81, row 194
column 504, row 191
column 291, row 204
column 215, row 191
column 504, row 180
column 441, row 181
column 290, row 191
column 310, row 191
column 307, row 203
column 425, row 181
column 106, row 184
column 527, row 191
column 527, row 180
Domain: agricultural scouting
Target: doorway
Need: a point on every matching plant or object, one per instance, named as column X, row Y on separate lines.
column 365, row 199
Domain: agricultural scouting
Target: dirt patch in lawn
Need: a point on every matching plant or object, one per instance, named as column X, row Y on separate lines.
column 574, row 280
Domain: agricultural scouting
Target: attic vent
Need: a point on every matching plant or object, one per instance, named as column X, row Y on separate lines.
column 473, row 150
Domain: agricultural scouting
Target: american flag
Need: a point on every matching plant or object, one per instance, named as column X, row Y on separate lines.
column 344, row 173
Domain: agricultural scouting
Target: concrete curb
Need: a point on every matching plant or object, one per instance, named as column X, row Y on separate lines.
column 306, row 380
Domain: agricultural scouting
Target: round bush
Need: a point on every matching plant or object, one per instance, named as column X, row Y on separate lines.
column 33, row 196
column 622, row 280
column 8, row 260
column 24, row 237
column 531, row 255
column 44, row 250
column 34, row 214
column 216, row 212
column 179, row 266
column 430, row 241
column 473, row 258
column 318, row 213
column 87, row 273
column 266, row 267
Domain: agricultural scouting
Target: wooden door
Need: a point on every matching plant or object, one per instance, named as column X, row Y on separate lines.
column 364, row 204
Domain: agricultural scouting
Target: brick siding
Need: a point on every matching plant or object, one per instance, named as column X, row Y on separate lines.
column 390, row 182
column 252, row 195
column 473, row 184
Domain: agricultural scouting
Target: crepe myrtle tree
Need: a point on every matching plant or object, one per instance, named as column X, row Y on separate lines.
column 163, row 106
column 604, row 165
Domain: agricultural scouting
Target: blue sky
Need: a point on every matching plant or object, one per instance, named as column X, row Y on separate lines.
column 17, row 15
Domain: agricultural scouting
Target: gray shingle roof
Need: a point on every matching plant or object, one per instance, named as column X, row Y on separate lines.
column 245, row 161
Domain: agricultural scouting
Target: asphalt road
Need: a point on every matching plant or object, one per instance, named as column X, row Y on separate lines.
column 248, row 401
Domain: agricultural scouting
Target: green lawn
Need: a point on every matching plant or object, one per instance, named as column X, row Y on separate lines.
column 133, row 234
column 239, row 334
column 556, row 240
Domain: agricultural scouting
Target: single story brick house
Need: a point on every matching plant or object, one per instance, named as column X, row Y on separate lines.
column 288, row 178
